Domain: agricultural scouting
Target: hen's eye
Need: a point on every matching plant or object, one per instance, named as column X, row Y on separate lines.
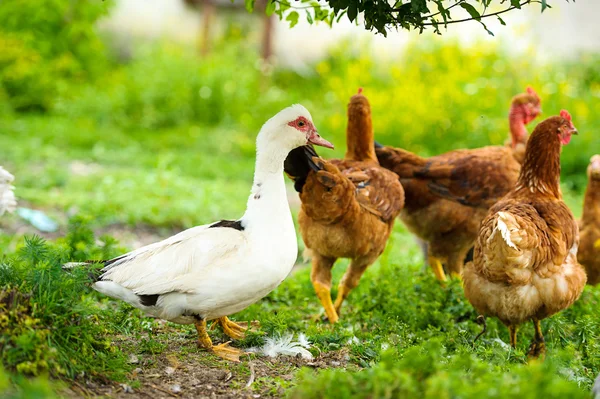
column 301, row 123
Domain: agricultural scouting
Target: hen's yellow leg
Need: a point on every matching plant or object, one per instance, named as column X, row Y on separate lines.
column 324, row 294
column 437, row 268
column 232, row 329
column 538, row 345
column 320, row 276
column 512, row 332
column 223, row 350
column 351, row 278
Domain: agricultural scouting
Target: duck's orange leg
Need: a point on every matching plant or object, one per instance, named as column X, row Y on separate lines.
column 223, row 350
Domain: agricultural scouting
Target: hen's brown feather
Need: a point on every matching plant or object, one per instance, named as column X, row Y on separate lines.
column 525, row 265
column 589, row 248
column 348, row 208
column 447, row 196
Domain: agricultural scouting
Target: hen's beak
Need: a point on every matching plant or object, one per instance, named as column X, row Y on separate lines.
column 315, row 139
column 574, row 131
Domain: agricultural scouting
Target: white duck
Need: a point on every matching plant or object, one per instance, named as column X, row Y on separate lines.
column 209, row 272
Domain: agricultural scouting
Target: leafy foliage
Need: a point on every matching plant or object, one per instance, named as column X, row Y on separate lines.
column 44, row 43
column 165, row 121
column 382, row 15
column 428, row 370
column 49, row 323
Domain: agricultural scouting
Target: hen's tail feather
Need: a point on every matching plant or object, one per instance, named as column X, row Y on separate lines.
column 377, row 144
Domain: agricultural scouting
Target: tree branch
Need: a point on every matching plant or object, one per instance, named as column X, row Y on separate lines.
column 439, row 12
column 481, row 17
column 309, row 7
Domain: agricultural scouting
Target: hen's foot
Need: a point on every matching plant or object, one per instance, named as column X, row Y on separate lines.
column 512, row 333
column 324, row 294
column 339, row 300
column 538, row 345
column 537, row 349
column 481, row 321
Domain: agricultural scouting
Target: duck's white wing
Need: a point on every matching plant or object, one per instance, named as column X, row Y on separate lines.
column 176, row 263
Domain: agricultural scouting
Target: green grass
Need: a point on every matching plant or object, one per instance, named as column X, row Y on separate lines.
column 409, row 335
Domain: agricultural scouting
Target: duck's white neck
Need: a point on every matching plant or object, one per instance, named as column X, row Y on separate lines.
column 267, row 203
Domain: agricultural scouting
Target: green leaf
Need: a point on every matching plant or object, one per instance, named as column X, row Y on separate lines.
column 293, row 18
column 515, row 3
column 444, row 13
column 486, row 29
column 270, row 7
column 501, row 20
column 352, row 11
column 544, row 5
column 284, row 5
column 249, row 5
column 471, row 10
column 309, row 17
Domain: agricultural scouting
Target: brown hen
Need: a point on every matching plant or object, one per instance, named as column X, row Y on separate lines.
column 525, row 262
column 348, row 206
column 448, row 195
column 589, row 245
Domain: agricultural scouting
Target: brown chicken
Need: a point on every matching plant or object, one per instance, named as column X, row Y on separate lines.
column 589, row 245
column 448, row 195
column 525, row 261
column 525, row 107
column 348, row 206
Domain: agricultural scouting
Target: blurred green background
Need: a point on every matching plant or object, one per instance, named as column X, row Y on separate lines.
column 86, row 127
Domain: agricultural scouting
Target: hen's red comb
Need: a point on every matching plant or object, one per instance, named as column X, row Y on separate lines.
column 532, row 92
column 360, row 90
column 565, row 114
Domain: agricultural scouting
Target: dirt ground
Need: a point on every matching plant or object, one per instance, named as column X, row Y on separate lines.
column 201, row 375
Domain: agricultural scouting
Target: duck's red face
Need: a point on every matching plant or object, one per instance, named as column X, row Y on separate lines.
column 312, row 136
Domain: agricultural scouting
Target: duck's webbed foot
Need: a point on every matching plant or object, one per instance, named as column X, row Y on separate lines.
column 223, row 350
column 231, row 329
column 227, row 352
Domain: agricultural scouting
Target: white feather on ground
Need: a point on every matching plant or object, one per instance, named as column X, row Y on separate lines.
column 283, row 345
column 8, row 202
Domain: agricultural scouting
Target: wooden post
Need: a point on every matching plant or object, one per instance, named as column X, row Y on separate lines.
column 208, row 13
column 267, row 39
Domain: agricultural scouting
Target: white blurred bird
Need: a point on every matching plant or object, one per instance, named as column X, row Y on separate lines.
column 209, row 272
column 8, row 202
column 596, row 388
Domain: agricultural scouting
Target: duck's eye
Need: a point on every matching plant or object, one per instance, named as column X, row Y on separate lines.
column 301, row 123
